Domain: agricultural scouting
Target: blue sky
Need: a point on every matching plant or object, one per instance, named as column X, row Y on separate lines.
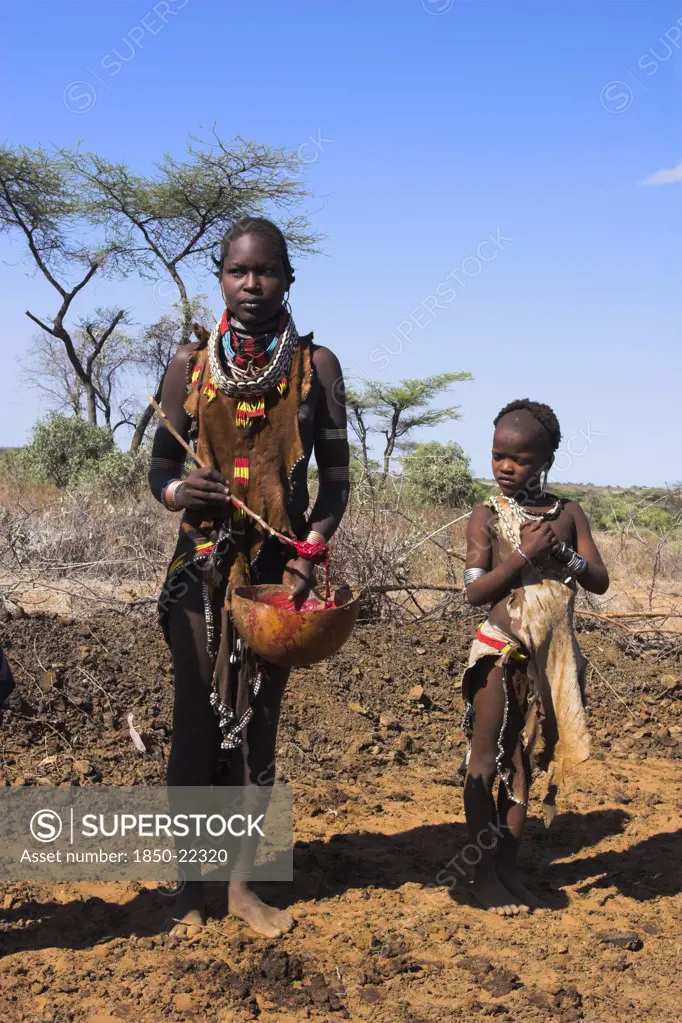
column 438, row 124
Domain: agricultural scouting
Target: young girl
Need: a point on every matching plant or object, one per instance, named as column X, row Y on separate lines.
column 257, row 399
column 523, row 688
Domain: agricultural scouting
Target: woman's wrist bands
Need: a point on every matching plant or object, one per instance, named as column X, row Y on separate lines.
column 315, row 537
column 168, row 494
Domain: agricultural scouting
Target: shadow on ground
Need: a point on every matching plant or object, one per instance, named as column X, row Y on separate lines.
column 361, row 860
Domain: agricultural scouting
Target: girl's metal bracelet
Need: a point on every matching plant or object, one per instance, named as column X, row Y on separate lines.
column 472, row 574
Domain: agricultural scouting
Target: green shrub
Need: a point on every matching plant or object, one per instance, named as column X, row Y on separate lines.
column 64, row 447
column 16, row 466
column 658, row 520
column 440, row 474
column 71, row 453
column 115, row 474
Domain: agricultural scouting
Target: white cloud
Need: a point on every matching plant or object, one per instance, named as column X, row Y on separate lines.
column 666, row 176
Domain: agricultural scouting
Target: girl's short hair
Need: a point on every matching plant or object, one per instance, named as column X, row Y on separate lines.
column 543, row 413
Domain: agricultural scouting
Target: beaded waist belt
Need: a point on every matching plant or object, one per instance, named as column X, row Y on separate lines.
column 500, row 644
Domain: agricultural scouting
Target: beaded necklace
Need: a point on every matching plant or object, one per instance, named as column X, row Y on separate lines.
column 523, row 515
column 250, row 371
column 248, row 351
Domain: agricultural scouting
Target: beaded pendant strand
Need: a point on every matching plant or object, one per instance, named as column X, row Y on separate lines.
column 240, row 485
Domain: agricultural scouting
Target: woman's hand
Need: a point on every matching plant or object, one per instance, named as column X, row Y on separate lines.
column 300, row 574
column 203, row 490
column 538, row 539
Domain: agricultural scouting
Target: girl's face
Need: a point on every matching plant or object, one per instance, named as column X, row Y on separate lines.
column 519, row 457
column 253, row 279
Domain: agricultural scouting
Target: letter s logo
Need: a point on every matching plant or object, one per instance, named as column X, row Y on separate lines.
column 46, row 825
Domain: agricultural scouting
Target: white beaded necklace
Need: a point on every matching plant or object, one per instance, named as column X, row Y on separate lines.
column 237, row 382
column 518, row 515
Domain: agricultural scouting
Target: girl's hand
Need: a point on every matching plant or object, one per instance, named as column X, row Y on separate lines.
column 538, row 539
column 203, row 490
column 300, row 574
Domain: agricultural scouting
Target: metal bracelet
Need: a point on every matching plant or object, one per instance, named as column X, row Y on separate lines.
column 564, row 553
column 472, row 574
column 525, row 557
column 573, row 561
column 168, row 494
column 577, row 565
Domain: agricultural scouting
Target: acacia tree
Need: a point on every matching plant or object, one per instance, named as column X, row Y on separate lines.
column 157, row 346
column 40, row 201
column 106, row 357
column 395, row 410
column 110, row 362
column 160, row 225
column 173, row 218
column 359, row 407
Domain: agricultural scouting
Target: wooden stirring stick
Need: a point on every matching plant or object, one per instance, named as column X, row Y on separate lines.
column 202, row 465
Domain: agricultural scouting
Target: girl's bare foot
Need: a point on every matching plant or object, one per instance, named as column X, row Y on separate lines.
column 189, row 911
column 264, row 920
column 495, row 897
column 511, row 880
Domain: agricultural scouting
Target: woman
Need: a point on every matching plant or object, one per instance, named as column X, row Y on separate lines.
column 256, row 399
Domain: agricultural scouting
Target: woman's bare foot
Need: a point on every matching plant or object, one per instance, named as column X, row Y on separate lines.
column 495, row 897
column 510, row 879
column 264, row 920
column 189, row 911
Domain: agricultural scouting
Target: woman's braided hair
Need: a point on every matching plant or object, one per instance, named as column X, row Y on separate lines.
column 266, row 229
column 543, row 413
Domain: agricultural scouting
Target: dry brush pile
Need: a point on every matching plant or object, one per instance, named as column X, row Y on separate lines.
column 76, row 548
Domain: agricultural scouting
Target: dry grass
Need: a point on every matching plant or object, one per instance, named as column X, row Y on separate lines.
column 64, row 551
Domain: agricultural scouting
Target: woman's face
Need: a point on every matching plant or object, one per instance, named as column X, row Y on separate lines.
column 254, row 280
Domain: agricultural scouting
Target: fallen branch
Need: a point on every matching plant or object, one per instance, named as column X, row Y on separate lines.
column 612, row 619
column 604, row 618
column 405, row 588
column 644, row 614
column 658, row 632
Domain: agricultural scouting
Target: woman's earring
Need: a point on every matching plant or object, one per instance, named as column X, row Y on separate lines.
column 543, row 481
